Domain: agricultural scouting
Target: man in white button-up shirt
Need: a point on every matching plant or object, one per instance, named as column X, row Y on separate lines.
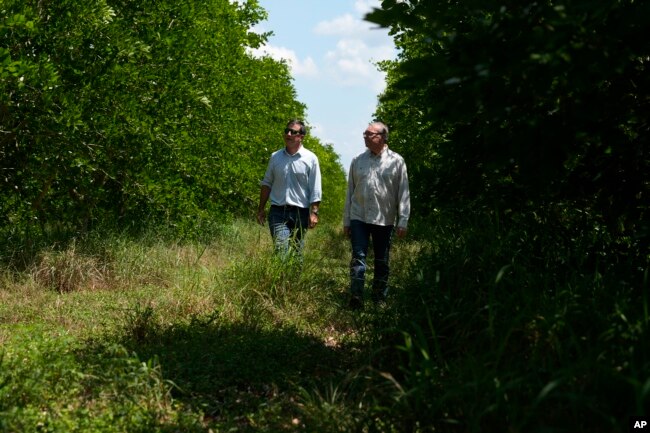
column 377, row 203
column 293, row 184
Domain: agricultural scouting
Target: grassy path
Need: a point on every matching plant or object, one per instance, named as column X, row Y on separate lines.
column 115, row 335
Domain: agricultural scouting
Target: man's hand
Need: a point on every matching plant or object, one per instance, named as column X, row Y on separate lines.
column 313, row 220
column 401, row 232
column 261, row 217
column 346, row 231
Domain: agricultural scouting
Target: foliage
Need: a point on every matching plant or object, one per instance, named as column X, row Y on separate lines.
column 333, row 180
column 179, row 337
column 483, row 331
column 524, row 126
column 523, row 103
column 51, row 385
column 504, row 333
column 135, row 113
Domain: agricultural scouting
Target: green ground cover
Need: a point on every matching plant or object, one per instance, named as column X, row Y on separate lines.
column 109, row 334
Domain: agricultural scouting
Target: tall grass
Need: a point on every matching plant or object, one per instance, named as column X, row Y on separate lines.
column 485, row 330
column 164, row 335
column 509, row 327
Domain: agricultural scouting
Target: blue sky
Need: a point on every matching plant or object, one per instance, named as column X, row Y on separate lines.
column 331, row 53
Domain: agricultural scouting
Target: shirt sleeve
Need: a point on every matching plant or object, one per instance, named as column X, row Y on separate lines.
column 404, row 197
column 315, row 183
column 268, row 175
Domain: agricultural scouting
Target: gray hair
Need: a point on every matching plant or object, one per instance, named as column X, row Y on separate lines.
column 384, row 129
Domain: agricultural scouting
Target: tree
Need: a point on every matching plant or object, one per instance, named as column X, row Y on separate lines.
column 148, row 112
column 524, row 102
column 525, row 128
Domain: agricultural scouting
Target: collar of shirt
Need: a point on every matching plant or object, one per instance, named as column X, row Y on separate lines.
column 383, row 152
column 294, row 154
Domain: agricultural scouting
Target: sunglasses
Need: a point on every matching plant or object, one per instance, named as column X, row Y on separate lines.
column 371, row 134
column 289, row 131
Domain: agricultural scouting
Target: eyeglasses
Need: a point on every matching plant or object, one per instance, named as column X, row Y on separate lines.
column 289, row 131
column 370, row 134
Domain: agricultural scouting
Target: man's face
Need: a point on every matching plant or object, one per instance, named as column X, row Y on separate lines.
column 374, row 139
column 292, row 134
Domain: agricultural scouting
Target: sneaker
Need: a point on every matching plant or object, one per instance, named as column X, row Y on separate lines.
column 356, row 303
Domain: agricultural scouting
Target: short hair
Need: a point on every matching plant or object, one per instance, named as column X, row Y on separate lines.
column 384, row 128
column 303, row 127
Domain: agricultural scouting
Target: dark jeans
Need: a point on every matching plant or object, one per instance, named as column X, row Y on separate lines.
column 360, row 234
column 288, row 225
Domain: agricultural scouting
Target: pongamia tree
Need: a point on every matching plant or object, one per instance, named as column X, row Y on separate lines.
column 147, row 111
column 524, row 104
column 526, row 124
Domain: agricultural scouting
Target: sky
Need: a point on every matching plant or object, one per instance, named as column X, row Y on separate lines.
column 331, row 52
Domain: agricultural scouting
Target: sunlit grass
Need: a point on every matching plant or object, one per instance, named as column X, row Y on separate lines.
column 201, row 312
column 223, row 335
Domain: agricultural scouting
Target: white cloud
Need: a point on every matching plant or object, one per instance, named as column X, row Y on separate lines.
column 352, row 63
column 360, row 45
column 365, row 6
column 306, row 67
column 356, row 71
column 349, row 26
column 344, row 25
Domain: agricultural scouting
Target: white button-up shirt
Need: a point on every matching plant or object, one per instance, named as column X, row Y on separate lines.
column 294, row 180
column 378, row 190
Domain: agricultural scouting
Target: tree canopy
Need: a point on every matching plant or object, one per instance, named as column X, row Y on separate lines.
column 524, row 126
column 137, row 112
column 523, row 104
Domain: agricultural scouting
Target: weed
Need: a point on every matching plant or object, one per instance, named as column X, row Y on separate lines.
column 69, row 270
column 481, row 332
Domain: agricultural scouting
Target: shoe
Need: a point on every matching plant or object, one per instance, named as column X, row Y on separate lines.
column 378, row 294
column 378, row 298
column 379, row 302
column 356, row 303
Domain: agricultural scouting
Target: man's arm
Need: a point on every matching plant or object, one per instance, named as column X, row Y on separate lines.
column 404, row 202
column 265, row 192
column 348, row 200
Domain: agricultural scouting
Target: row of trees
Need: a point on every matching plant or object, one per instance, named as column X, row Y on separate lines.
column 524, row 104
column 137, row 112
column 525, row 126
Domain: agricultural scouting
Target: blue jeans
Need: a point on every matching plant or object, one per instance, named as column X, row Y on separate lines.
column 288, row 225
column 360, row 234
